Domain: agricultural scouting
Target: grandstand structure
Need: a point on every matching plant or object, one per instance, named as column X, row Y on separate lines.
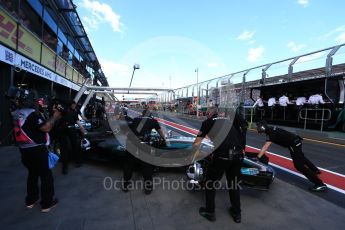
column 319, row 72
column 44, row 47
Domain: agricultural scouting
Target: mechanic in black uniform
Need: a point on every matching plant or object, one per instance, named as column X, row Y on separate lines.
column 31, row 134
column 68, row 137
column 140, row 131
column 229, row 141
column 294, row 143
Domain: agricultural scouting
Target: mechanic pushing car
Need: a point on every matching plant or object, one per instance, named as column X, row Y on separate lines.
column 229, row 141
column 140, row 131
column 294, row 143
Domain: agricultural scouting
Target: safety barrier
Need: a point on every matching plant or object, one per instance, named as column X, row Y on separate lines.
column 315, row 117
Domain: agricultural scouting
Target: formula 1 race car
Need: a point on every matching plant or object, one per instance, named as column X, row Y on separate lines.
column 254, row 173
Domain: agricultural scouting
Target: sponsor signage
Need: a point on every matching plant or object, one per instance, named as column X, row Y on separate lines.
column 8, row 30
column 21, row 62
column 7, row 55
column 28, row 44
column 60, row 66
column 69, row 72
column 31, row 46
column 48, row 58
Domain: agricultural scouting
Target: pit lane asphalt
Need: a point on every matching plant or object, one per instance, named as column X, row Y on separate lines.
column 85, row 203
column 330, row 157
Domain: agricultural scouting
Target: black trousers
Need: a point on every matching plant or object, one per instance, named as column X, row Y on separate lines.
column 130, row 163
column 303, row 164
column 214, row 174
column 70, row 147
column 35, row 159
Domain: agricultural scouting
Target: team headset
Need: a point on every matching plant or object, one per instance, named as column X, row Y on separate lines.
column 261, row 126
column 21, row 98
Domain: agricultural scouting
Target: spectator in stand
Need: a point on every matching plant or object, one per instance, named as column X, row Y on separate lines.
column 65, row 53
column 300, row 101
column 271, row 102
column 10, row 8
column 50, row 41
column 283, row 103
column 23, row 19
column 27, row 23
column 259, row 102
column 259, row 107
column 284, row 100
column 316, row 99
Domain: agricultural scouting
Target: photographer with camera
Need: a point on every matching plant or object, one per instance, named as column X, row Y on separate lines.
column 31, row 135
column 68, row 136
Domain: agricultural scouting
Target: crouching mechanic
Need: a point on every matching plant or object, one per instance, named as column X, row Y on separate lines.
column 140, row 131
column 31, row 134
column 294, row 143
column 229, row 141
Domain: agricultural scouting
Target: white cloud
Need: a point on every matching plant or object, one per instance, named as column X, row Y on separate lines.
column 212, row 65
column 246, row 35
column 295, row 47
column 255, row 54
column 117, row 73
column 340, row 38
column 303, row 3
column 91, row 23
column 338, row 33
column 100, row 13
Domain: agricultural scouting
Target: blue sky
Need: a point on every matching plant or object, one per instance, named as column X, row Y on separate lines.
column 171, row 38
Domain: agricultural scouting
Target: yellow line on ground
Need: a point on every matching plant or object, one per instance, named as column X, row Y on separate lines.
column 313, row 140
column 324, row 142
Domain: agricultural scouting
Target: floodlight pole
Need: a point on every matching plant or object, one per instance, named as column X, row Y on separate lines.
column 136, row 66
column 197, row 91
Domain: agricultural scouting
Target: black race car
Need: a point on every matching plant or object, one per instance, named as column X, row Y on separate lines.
column 254, row 174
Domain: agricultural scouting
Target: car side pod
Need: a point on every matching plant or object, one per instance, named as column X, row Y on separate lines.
column 260, row 180
column 254, row 174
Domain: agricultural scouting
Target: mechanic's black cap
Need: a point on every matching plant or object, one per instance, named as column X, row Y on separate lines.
column 261, row 126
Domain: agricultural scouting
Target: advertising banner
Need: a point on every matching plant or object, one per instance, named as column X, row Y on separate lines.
column 80, row 79
column 60, row 66
column 48, row 58
column 75, row 86
column 24, row 63
column 69, row 72
column 75, row 76
column 28, row 44
column 8, row 30
column 7, row 55
column 20, row 62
